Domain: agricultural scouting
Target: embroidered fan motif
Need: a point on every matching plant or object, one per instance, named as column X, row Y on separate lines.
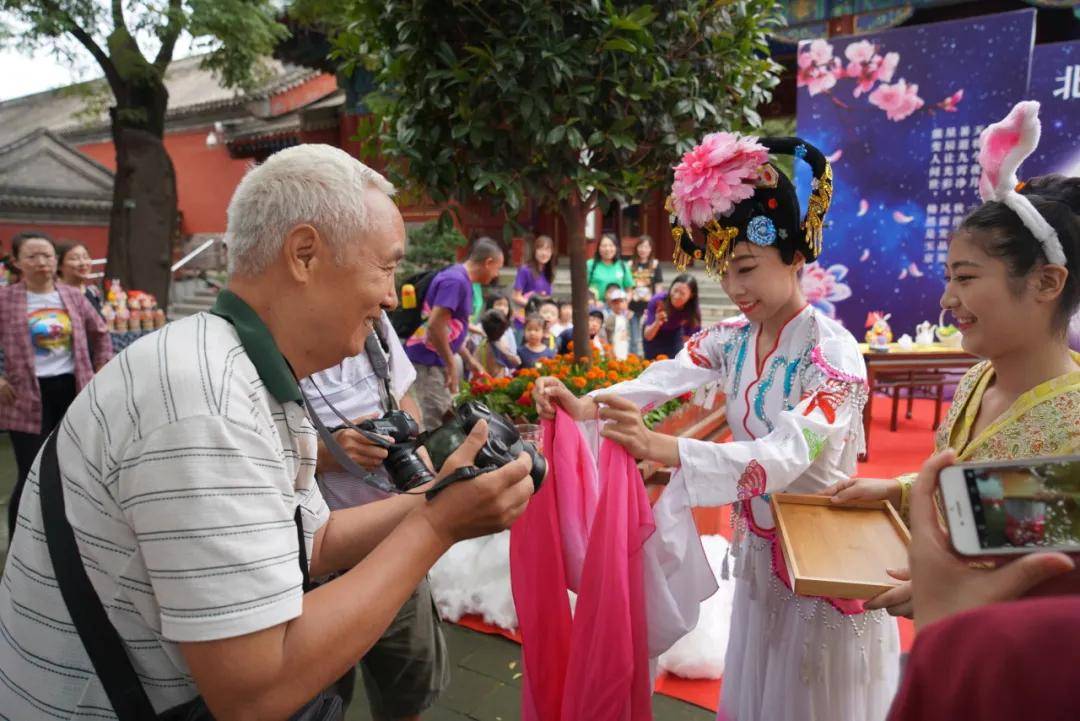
column 814, row 442
column 752, row 481
column 832, row 394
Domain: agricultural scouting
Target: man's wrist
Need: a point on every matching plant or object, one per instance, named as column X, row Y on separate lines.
column 427, row 520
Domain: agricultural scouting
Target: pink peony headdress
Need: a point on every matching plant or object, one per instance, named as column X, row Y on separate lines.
column 715, row 175
column 726, row 191
column 1003, row 146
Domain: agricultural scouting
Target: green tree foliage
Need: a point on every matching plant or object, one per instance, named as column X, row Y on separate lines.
column 132, row 43
column 431, row 245
column 572, row 103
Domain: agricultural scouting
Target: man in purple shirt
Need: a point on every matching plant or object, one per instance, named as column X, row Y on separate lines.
column 447, row 307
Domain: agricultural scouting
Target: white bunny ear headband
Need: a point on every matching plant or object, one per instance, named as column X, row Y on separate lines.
column 1003, row 146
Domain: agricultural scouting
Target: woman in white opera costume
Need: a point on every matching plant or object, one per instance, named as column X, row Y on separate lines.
column 795, row 387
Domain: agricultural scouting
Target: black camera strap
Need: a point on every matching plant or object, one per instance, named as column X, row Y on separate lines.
column 340, row 455
column 378, row 353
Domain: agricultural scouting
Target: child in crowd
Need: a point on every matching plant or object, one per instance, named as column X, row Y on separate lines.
column 611, row 289
column 499, row 302
column 617, row 323
column 536, row 344
column 596, row 326
column 549, row 311
column 494, row 354
column 566, row 319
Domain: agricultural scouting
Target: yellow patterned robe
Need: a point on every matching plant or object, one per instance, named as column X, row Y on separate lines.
column 1044, row 421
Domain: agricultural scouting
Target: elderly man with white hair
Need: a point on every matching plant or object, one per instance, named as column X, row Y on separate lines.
column 181, row 484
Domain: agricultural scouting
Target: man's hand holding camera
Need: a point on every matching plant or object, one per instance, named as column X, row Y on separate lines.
column 486, row 504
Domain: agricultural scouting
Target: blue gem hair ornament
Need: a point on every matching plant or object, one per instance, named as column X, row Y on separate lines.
column 800, row 152
column 761, row 230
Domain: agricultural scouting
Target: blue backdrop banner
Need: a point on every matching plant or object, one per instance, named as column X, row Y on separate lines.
column 899, row 114
column 1055, row 83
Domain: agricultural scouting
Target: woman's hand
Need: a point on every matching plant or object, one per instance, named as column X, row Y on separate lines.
column 895, row 601
column 549, row 392
column 624, row 425
column 865, row 489
column 7, row 393
column 944, row 583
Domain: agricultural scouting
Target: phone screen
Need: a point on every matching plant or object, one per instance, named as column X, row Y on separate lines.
column 1035, row 506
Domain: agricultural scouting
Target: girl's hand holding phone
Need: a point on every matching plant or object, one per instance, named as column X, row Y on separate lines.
column 943, row 583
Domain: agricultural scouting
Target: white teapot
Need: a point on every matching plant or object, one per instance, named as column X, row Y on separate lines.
column 924, row 333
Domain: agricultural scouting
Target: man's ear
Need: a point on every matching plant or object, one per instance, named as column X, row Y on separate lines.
column 301, row 245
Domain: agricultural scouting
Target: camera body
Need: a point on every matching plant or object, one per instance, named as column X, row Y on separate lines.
column 407, row 470
column 503, row 445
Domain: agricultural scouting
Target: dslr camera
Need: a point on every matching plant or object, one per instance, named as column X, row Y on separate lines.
column 407, row 470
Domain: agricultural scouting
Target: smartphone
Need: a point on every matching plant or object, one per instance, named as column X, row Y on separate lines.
column 1013, row 508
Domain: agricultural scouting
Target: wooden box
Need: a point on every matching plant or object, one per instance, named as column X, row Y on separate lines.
column 840, row 550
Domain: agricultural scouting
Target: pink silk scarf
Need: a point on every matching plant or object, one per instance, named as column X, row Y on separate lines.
column 584, row 531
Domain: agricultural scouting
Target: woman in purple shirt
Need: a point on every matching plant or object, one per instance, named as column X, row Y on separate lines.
column 535, row 276
column 672, row 317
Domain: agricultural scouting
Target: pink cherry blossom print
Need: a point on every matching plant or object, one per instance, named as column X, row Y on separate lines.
column 898, row 101
column 949, row 104
column 820, row 52
column 824, row 287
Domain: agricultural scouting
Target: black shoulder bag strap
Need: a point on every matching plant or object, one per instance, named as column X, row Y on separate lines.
column 100, row 638
column 98, row 635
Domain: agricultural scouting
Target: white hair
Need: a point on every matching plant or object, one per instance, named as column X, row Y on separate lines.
column 315, row 184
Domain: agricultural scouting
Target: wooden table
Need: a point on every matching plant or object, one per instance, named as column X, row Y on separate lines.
column 924, row 358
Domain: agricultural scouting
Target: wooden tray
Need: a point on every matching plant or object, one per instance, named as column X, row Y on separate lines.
column 842, row 550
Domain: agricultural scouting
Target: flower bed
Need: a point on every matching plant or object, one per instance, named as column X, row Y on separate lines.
column 512, row 396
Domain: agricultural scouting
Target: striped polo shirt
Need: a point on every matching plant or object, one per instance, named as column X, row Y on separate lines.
column 183, row 463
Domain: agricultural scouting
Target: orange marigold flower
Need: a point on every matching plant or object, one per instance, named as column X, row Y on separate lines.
column 612, row 375
column 661, row 356
column 578, row 382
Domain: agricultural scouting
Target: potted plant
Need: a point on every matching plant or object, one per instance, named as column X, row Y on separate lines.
column 512, row 396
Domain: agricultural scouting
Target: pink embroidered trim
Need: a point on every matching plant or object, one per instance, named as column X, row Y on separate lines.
column 738, row 321
column 779, row 565
column 817, row 356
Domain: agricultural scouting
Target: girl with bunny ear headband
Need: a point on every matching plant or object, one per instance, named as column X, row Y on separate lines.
column 1012, row 283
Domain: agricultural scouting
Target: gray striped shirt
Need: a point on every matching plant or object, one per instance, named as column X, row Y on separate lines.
column 181, row 473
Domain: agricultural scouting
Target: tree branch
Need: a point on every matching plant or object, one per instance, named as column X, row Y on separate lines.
column 118, row 16
column 86, row 41
column 169, row 37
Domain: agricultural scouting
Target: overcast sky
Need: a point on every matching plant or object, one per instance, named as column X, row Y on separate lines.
column 21, row 74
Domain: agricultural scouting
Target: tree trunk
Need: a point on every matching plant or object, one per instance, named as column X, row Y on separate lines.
column 143, row 222
column 573, row 212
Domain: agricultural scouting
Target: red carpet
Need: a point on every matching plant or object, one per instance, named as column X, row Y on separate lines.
column 891, row 454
